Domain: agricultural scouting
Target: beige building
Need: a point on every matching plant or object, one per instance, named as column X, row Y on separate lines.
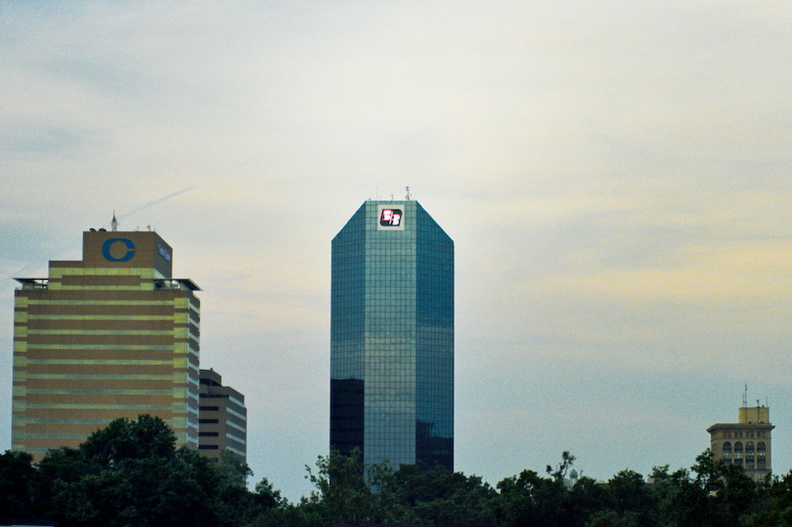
column 112, row 335
column 222, row 417
column 746, row 442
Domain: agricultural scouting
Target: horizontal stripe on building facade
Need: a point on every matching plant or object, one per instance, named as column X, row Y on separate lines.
column 104, row 317
column 236, row 421
column 72, row 429
column 89, row 400
column 233, row 445
column 59, row 268
column 144, row 286
column 89, row 280
column 116, row 325
column 167, row 415
column 100, row 332
column 94, row 369
column 103, row 362
column 238, row 415
column 236, row 451
column 114, row 385
column 98, row 341
column 77, row 301
column 104, row 354
column 107, row 308
column 140, row 286
column 98, row 391
column 110, row 377
column 179, row 303
column 29, row 435
column 234, row 437
column 236, row 427
column 145, row 379
column 47, row 421
column 110, row 346
column 82, row 407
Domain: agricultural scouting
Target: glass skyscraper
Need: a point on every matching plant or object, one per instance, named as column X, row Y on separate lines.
column 392, row 336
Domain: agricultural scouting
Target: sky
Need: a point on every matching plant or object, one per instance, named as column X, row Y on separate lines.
column 616, row 176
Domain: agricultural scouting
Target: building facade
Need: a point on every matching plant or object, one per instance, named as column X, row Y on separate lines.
column 392, row 336
column 222, row 418
column 746, row 443
column 112, row 335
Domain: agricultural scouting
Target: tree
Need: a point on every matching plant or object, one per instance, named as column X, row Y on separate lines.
column 124, row 439
column 441, row 497
column 559, row 474
column 344, row 495
column 631, row 499
column 17, row 480
column 587, row 497
column 531, row 500
column 131, row 474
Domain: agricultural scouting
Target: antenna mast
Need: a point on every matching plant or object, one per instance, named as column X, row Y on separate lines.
column 745, row 396
column 407, row 197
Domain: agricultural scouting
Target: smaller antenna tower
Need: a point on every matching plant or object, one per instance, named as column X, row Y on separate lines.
column 407, row 197
column 745, row 396
column 114, row 223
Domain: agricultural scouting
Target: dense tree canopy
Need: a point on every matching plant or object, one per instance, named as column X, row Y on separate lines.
column 131, row 474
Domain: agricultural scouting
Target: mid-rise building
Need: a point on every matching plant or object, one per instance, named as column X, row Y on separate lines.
column 392, row 336
column 222, row 418
column 112, row 335
column 746, row 443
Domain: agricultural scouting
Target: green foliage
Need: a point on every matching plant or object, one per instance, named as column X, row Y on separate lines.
column 131, row 474
column 17, row 480
column 343, row 492
column 441, row 497
column 123, row 439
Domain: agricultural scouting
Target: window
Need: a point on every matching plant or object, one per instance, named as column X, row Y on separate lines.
column 761, row 455
column 727, row 452
column 749, row 455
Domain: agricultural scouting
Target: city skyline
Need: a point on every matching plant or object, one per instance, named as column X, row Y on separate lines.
column 615, row 178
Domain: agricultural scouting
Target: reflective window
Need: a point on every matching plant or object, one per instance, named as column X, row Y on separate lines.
column 392, row 338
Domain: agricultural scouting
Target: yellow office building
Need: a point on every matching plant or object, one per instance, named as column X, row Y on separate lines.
column 112, row 335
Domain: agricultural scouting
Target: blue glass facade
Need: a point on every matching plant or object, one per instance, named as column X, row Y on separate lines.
column 392, row 336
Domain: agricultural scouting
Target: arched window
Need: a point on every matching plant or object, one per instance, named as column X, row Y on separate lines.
column 738, row 452
column 749, row 455
column 761, row 454
column 727, row 452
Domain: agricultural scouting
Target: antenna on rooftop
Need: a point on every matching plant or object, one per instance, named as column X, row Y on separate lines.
column 114, row 223
column 745, row 396
column 407, row 197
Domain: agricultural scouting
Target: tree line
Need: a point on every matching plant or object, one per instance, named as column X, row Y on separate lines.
column 130, row 474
